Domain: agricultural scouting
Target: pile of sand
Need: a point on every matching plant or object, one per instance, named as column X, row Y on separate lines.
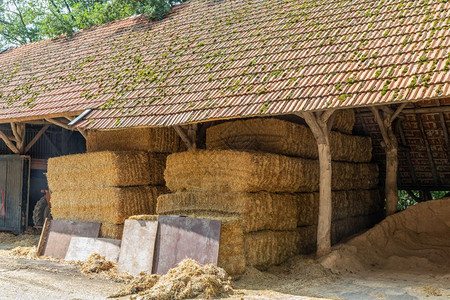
column 416, row 239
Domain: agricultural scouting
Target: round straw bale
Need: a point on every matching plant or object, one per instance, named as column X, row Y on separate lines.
column 163, row 140
column 226, row 170
column 258, row 211
column 98, row 169
column 111, row 231
column 111, row 205
column 266, row 248
column 283, row 137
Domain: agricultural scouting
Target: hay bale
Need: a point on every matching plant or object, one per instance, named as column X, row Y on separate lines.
column 287, row 138
column 163, row 140
column 111, row 231
column 111, row 205
column 348, row 176
column 344, row 121
column 266, row 248
column 157, row 165
column 307, row 239
column 98, row 169
column 235, row 171
column 345, row 204
column 227, row 170
column 258, row 211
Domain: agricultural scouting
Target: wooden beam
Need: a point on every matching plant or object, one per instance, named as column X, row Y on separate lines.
column 429, row 154
column 83, row 132
column 412, row 172
column 184, row 137
column 59, row 123
column 427, row 110
column 8, row 143
column 36, row 138
column 320, row 125
column 49, row 140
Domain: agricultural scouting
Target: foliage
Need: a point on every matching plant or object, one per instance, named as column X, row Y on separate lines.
column 25, row 21
column 405, row 200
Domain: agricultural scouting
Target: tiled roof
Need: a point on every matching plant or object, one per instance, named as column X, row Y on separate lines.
column 222, row 59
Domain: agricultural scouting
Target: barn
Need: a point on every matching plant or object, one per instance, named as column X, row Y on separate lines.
column 289, row 121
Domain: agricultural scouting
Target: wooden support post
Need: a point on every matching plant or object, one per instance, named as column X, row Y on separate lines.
column 19, row 131
column 390, row 144
column 320, row 124
column 36, row 138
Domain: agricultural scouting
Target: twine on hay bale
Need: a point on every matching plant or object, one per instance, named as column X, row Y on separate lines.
column 258, row 211
column 111, row 205
column 98, row 169
column 162, row 140
column 283, row 137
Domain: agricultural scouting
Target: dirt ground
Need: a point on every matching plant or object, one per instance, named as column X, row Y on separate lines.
column 299, row 278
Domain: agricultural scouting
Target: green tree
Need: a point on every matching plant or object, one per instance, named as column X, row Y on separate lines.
column 19, row 22
column 25, row 21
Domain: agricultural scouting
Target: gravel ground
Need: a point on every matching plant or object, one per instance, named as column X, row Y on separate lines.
column 299, row 278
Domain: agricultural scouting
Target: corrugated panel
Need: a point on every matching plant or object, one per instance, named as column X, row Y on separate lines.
column 235, row 58
column 14, row 180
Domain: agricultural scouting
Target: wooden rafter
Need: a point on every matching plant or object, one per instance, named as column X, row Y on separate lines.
column 434, row 172
column 59, row 123
column 412, row 172
column 320, row 124
column 9, row 143
column 185, row 137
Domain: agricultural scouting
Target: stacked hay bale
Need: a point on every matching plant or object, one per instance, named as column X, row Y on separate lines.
column 122, row 175
column 255, row 175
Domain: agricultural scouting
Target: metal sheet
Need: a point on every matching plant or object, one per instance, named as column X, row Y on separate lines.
column 80, row 248
column 61, row 231
column 138, row 245
column 181, row 237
